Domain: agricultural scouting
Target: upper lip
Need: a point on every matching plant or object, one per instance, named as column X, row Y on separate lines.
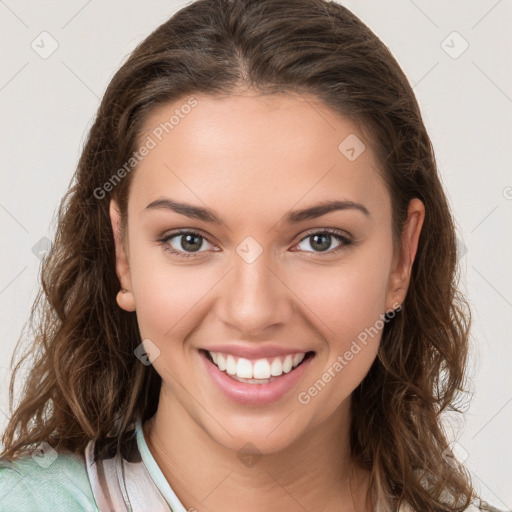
column 254, row 352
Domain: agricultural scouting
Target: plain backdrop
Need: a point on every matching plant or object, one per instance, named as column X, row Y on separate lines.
column 58, row 57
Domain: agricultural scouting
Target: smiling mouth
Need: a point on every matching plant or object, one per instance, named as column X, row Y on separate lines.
column 269, row 369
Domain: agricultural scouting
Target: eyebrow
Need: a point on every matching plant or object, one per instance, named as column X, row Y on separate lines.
column 206, row 215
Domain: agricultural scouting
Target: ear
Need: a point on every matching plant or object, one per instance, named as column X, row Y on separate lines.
column 125, row 297
column 404, row 258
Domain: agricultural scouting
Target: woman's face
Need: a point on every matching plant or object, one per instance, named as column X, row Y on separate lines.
column 252, row 274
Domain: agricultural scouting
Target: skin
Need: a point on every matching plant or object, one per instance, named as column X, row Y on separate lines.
column 252, row 159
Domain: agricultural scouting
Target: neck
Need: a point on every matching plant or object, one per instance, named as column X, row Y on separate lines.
column 314, row 472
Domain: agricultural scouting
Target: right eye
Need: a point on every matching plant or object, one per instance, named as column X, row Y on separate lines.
column 183, row 243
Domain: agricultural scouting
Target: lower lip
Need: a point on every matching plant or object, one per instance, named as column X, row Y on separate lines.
column 254, row 394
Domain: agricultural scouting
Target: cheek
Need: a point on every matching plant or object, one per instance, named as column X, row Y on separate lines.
column 347, row 310
column 165, row 300
column 346, row 304
column 165, row 294
column 346, row 299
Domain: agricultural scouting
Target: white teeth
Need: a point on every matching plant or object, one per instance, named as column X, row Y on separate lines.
column 231, row 365
column 297, row 358
column 221, row 361
column 260, row 369
column 254, row 381
column 287, row 365
column 276, row 368
column 244, row 368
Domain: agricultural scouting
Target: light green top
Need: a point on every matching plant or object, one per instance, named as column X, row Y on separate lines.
column 63, row 486
column 50, row 481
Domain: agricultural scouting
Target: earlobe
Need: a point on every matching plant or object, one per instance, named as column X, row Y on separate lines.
column 125, row 298
column 400, row 277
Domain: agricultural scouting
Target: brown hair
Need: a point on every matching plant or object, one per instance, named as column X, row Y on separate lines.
column 85, row 382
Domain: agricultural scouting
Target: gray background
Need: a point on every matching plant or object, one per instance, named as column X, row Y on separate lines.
column 466, row 98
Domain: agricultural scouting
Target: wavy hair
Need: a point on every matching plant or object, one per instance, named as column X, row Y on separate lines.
column 84, row 381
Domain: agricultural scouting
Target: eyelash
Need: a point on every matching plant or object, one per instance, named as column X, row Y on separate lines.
column 334, row 232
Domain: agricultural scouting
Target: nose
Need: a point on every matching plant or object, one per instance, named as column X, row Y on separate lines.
column 255, row 297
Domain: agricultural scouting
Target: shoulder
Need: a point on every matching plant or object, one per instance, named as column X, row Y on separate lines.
column 45, row 481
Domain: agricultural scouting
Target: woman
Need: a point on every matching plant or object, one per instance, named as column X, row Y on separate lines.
column 251, row 300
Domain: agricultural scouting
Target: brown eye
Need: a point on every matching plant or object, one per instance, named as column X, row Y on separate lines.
column 324, row 241
column 184, row 243
column 190, row 242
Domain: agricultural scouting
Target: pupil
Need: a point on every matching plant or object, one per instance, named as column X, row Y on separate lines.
column 322, row 246
column 187, row 242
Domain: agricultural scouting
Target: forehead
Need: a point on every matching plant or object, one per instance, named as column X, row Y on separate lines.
column 246, row 148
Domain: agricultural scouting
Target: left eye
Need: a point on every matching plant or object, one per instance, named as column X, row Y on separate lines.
column 321, row 241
